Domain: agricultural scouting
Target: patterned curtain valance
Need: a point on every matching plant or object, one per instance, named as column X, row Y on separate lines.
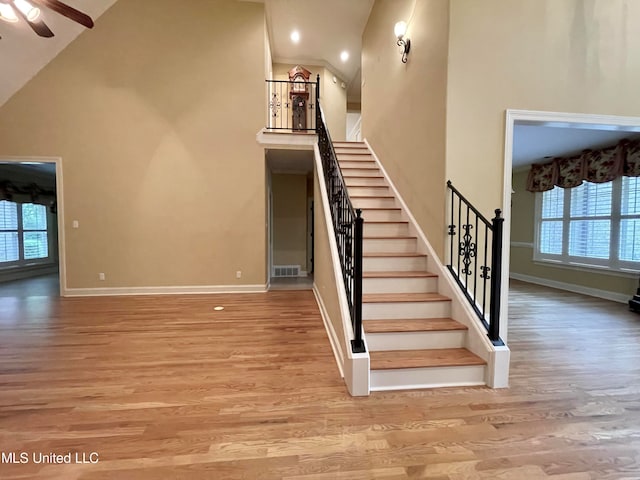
column 596, row 166
column 31, row 193
column 542, row 177
column 632, row 158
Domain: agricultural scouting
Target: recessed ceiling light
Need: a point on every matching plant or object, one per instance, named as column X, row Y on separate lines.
column 344, row 56
column 295, row 36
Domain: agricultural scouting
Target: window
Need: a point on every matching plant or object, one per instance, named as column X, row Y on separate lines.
column 23, row 233
column 595, row 224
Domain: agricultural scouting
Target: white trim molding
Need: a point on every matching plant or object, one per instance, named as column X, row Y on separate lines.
column 62, row 250
column 331, row 332
column 570, row 287
column 178, row 290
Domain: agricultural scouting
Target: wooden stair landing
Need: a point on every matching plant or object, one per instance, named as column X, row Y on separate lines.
column 445, row 357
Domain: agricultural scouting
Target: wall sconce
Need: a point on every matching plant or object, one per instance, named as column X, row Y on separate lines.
column 400, row 30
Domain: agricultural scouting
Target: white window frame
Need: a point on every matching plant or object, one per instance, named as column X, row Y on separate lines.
column 613, row 264
column 22, row 262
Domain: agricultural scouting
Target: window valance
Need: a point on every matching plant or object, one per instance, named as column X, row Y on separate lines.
column 596, row 166
column 30, row 193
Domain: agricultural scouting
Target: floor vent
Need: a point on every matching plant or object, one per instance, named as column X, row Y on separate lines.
column 286, row 271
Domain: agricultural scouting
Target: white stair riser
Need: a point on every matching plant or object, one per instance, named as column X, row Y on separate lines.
column 394, row 264
column 390, row 310
column 373, row 202
column 432, row 377
column 360, row 172
column 385, row 229
column 356, row 157
column 372, row 191
column 381, row 215
column 400, row 285
column 367, row 181
column 358, row 164
column 379, row 342
column 391, row 245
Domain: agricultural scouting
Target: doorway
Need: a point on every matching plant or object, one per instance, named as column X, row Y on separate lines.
column 290, row 218
column 31, row 227
column 539, row 137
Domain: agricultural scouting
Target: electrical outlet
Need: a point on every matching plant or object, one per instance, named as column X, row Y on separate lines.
column 76, row 224
column 239, row 274
column 101, row 276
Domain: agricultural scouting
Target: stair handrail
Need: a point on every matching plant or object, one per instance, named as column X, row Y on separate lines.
column 468, row 219
column 347, row 226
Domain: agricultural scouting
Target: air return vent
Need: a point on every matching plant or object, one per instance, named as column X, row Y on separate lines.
column 286, row 270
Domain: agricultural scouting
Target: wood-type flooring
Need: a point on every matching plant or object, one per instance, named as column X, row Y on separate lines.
column 165, row 387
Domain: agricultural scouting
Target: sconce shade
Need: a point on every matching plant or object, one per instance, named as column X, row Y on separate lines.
column 400, row 29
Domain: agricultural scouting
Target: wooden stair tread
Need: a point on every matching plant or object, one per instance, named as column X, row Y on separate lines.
column 372, row 196
column 364, row 185
column 387, row 222
column 403, row 297
column 393, row 254
column 400, row 274
column 388, row 237
column 361, row 167
column 363, row 176
column 380, row 208
column 446, row 357
column 412, row 325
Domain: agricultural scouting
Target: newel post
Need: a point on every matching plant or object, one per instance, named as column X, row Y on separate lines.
column 496, row 276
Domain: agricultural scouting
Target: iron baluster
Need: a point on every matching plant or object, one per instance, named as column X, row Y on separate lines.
column 488, row 276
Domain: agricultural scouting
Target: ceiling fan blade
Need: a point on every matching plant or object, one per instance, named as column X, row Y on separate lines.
column 38, row 26
column 67, row 11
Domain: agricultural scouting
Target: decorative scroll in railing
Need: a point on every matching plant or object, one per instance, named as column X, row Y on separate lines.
column 475, row 259
column 347, row 225
column 292, row 106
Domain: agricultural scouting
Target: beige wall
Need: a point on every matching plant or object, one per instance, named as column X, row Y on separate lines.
column 580, row 56
column 289, row 219
column 332, row 96
column 166, row 189
column 404, row 105
column 522, row 231
column 334, row 105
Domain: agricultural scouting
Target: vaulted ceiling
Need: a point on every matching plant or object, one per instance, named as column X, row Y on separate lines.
column 23, row 53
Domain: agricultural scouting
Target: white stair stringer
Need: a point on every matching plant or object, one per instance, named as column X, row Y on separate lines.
column 405, row 286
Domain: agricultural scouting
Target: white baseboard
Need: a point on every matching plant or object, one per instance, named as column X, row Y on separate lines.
column 331, row 333
column 570, row 287
column 182, row 290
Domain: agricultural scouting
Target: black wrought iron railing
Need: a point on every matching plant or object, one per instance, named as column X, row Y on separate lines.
column 292, row 106
column 475, row 259
column 347, row 225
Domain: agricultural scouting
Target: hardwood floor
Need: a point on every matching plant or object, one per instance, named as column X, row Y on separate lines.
column 165, row 387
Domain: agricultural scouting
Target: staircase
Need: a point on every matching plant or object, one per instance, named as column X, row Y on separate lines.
column 413, row 342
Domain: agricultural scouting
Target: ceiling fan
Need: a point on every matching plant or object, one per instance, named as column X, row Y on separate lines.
column 16, row 10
